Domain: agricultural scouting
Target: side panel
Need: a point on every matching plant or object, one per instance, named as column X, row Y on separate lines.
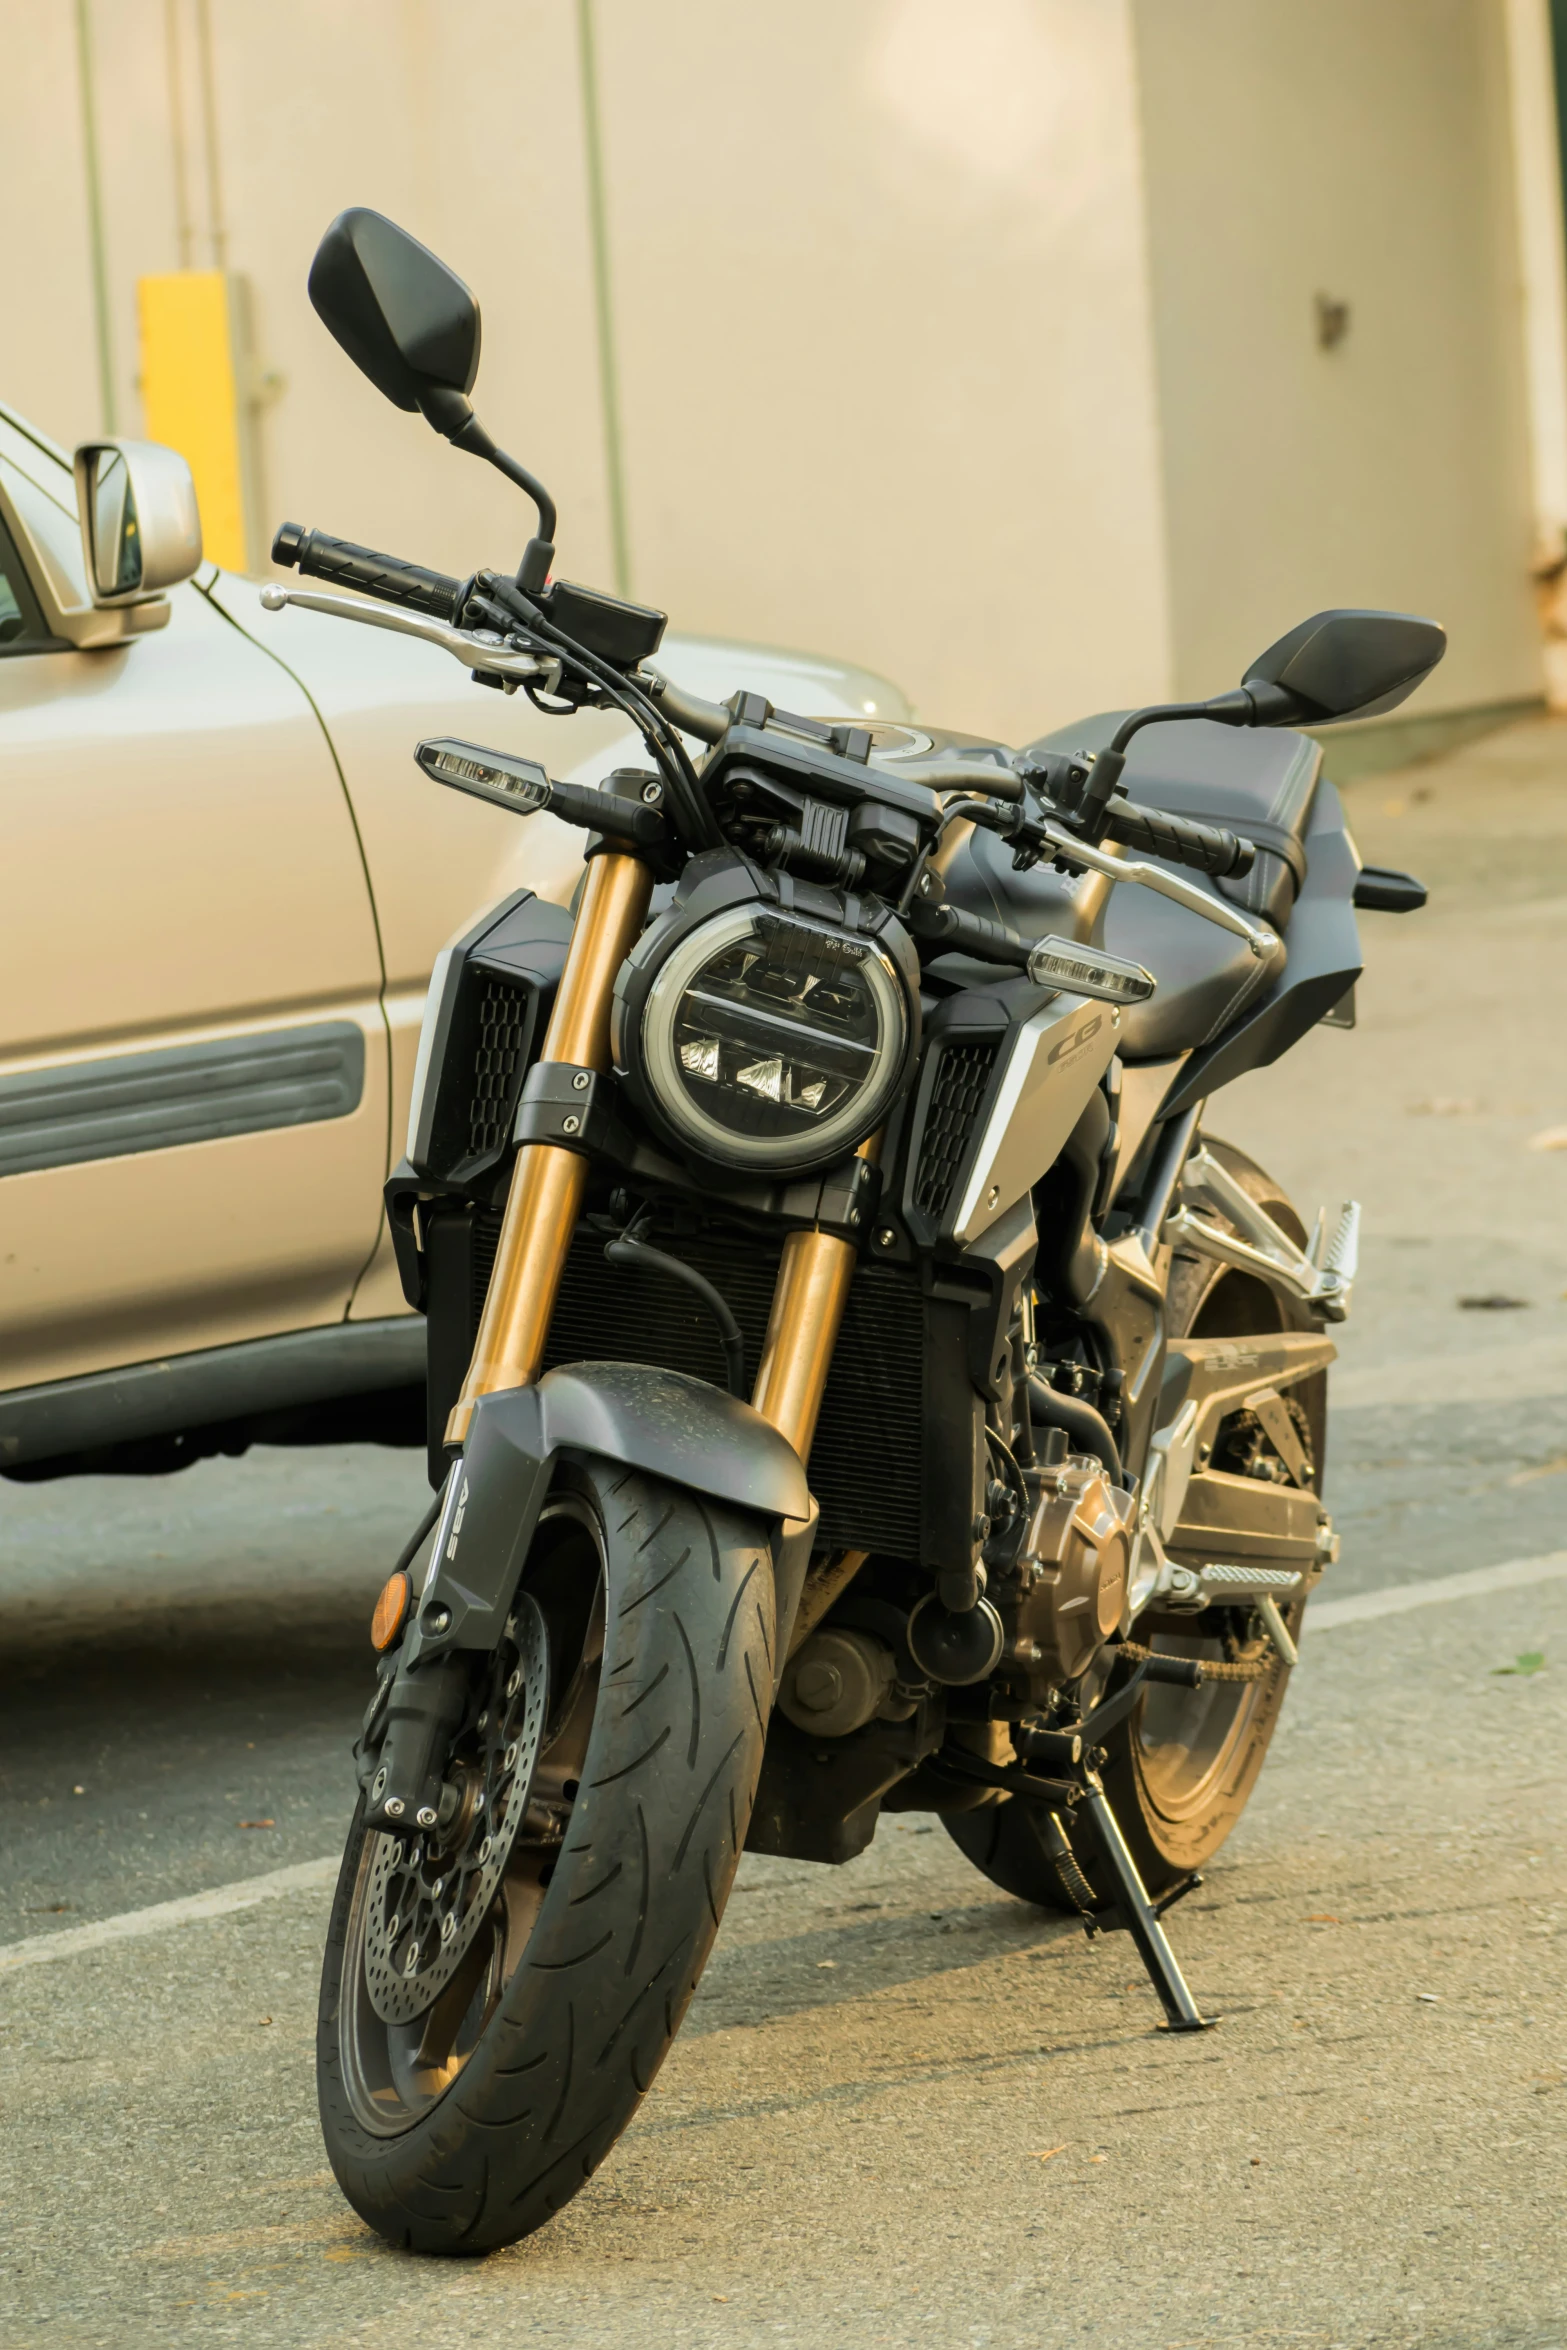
column 1052, row 1063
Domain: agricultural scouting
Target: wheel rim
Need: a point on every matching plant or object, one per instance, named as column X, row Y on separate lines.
column 1186, row 1743
column 1186, row 1740
column 397, row 2065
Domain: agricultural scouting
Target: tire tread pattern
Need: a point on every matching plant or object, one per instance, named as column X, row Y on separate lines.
column 635, row 1899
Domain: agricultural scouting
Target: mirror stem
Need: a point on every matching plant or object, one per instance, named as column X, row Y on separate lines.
column 1254, row 705
column 451, row 415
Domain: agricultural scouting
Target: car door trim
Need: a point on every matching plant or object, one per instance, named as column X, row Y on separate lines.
column 183, row 1093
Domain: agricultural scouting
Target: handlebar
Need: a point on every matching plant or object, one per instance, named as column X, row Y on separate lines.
column 386, row 577
column 1179, row 840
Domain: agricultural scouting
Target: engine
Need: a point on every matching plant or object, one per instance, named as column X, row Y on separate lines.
column 1066, row 1591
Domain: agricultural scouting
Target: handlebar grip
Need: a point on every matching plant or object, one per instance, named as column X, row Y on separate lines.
column 1180, row 840
column 385, row 577
column 972, row 934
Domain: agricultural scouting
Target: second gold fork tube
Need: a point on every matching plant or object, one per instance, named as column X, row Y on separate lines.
column 548, row 1182
column 802, row 1330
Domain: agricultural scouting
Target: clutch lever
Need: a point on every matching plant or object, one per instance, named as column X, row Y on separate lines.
column 475, row 648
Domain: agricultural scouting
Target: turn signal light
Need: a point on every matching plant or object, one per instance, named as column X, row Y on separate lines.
column 1058, row 962
column 391, row 1611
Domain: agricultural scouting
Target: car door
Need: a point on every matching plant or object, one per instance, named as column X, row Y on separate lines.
column 193, row 1056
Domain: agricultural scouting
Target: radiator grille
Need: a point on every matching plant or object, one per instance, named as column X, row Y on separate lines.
column 962, row 1074
column 502, row 1032
column 865, row 1462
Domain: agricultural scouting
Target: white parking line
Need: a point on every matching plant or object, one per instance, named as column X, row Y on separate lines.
column 1511, row 1575
column 307, row 1875
column 303, row 1877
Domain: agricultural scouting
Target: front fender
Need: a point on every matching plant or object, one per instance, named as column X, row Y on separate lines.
column 659, row 1421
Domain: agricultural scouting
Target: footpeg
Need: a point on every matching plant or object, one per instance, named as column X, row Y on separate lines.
column 1323, row 1276
column 1188, row 1589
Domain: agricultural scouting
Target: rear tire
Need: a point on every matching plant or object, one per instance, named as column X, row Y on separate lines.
column 1181, row 1770
column 662, row 1688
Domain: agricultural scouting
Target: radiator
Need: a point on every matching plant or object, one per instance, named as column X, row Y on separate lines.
column 865, row 1462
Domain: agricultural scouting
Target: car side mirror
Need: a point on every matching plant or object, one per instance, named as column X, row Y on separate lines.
column 405, row 319
column 1343, row 665
column 141, row 527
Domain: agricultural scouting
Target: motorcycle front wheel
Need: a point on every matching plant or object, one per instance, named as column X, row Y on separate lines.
column 470, row 2123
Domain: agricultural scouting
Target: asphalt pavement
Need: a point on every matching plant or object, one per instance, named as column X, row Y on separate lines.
column 904, row 2109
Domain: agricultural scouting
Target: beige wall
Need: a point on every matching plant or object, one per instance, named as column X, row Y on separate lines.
column 880, row 302
column 1360, row 151
column 934, row 324
column 915, row 418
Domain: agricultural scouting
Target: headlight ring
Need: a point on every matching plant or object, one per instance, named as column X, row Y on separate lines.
column 763, row 1041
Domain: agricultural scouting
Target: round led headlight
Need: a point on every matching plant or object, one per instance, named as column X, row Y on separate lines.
column 764, row 1041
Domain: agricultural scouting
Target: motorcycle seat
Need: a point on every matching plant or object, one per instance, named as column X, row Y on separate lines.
column 1262, row 785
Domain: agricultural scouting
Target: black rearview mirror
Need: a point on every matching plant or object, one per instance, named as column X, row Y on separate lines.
column 411, row 325
column 404, row 318
column 1345, row 665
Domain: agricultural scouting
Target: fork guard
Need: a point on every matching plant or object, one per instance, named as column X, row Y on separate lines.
column 663, row 1422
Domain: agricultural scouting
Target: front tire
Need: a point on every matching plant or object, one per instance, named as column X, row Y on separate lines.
column 473, row 2126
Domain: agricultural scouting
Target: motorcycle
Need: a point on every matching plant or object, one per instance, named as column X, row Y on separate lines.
column 859, row 1379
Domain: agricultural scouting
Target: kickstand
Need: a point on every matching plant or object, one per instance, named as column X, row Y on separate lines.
column 1141, row 1919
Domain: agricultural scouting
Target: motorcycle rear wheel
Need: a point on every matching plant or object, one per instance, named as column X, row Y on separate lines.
column 473, row 2125
column 1180, row 1771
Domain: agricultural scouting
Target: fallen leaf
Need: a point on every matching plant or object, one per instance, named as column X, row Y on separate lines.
column 1099, row 2158
column 258, row 1823
column 1323, row 1917
column 1530, row 1662
column 826, row 1962
column 263, row 2019
column 1549, row 1138
column 720, row 2296
column 1431, row 1998
column 1256, row 2162
column 1048, row 2153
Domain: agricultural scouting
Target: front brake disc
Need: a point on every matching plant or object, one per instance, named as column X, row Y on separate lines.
column 428, row 1897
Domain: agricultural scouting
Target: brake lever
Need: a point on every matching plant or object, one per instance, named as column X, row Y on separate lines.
column 1042, row 838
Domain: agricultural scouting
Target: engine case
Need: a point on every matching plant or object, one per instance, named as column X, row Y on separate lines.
column 1067, row 1592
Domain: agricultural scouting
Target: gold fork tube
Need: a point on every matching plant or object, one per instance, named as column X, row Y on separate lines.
column 548, row 1182
column 802, row 1330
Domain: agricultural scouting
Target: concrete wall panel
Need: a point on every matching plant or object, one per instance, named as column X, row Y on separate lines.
column 1362, row 152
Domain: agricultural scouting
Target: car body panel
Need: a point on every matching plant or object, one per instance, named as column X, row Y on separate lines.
column 182, row 865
